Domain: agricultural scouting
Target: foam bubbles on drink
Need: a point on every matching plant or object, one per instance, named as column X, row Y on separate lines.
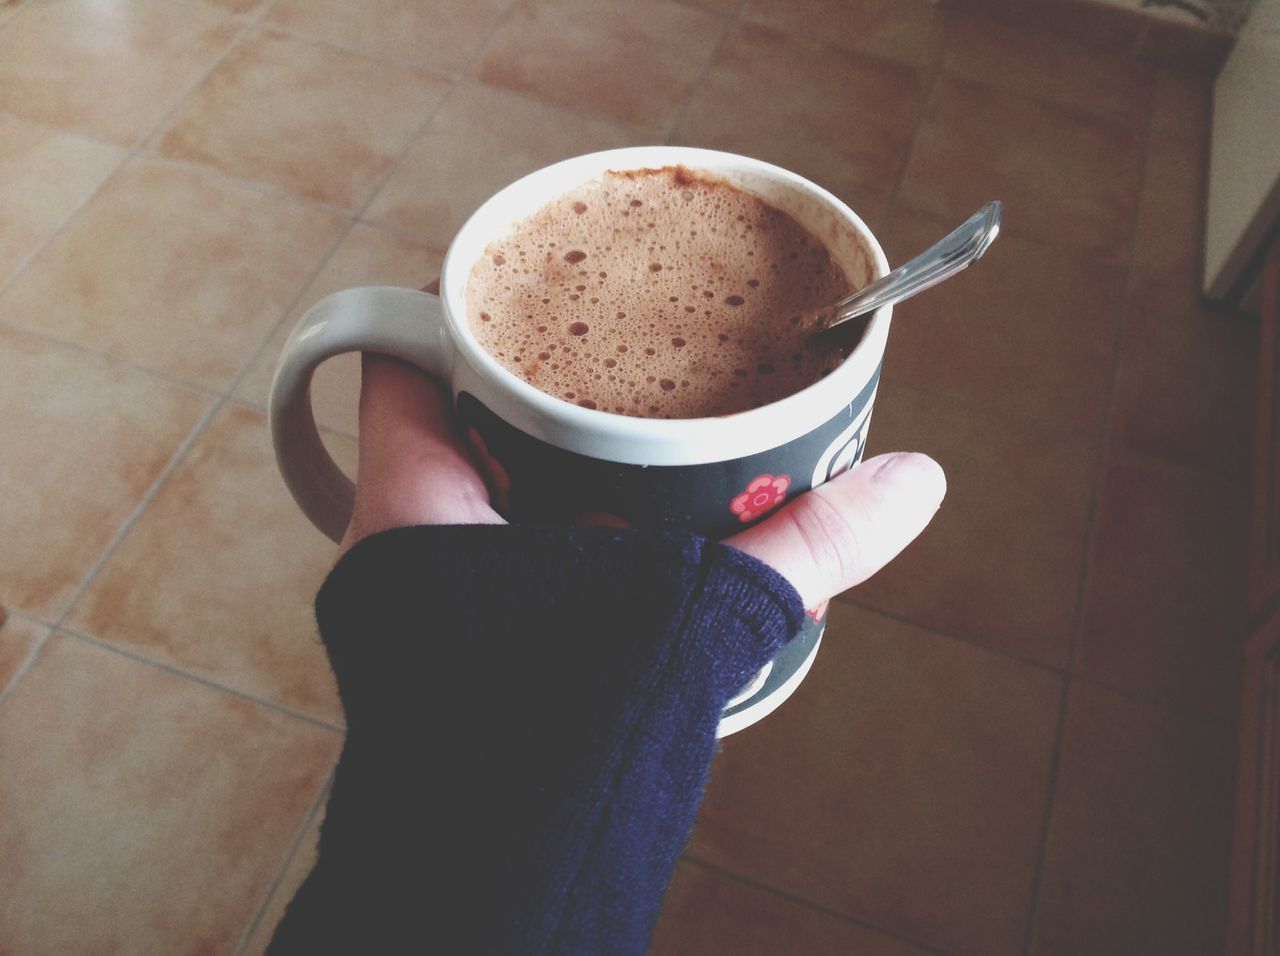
column 658, row 293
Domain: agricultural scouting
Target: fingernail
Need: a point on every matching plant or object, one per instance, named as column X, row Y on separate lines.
column 894, row 464
column 913, row 467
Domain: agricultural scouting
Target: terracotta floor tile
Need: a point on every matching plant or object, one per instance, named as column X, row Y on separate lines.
column 628, row 62
column 19, row 637
column 439, row 36
column 1066, row 177
column 1137, row 852
column 141, row 812
column 880, row 789
column 175, row 268
column 706, row 911
column 365, row 257
column 1050, row 67
column 83, row 439
column 908, row 32
column 1185, row 378
column 241, row 613
column 318, row 121
column 1000, row 563
column 301, row 863
column 480, row 140
column 842, row 120
column 1169, row 237
column 108, row 70
column 1182, row 103
column 1029, row 332
column 45, row 174
column 1164, row 607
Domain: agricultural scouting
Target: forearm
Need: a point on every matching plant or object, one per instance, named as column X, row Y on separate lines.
column 531, row 716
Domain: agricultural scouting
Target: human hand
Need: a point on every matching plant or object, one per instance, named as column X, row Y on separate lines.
column 415, row 470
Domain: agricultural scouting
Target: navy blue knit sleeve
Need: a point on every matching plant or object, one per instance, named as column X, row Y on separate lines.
column 531, row 714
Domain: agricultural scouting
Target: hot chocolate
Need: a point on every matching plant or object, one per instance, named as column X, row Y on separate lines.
column 659, row 293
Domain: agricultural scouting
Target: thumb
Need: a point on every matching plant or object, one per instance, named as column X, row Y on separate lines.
column 839, row 534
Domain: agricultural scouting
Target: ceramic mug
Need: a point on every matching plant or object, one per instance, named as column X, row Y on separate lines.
column 549, row 460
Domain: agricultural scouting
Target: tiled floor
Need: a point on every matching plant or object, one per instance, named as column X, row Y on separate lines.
column 1017, row 739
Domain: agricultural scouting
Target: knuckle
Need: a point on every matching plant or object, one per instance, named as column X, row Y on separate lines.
column 829, row 534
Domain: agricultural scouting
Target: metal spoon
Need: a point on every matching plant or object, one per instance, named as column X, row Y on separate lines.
column 940, row 261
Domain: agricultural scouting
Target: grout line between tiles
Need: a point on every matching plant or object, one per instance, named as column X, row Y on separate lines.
column 264, row 343
column 404, row 235
column 926, row 101
column 1064, row 672
column 1103, row 458
column 731, row 22
column 263, row 188
column 222, row 396
column 321, row 799
column 128, row 153
column 353, row 218
column 1172, row 708
column 263, row 408
column 30, row 661
column 429, row 117
column 121, row 362
column 411, row 141
column 810, row 904
column 17, row 613
column 219, row 398
column 1042, row 851
column 309, row 39
column 206, row 682
column 126, row 526
column 22, row 266
column 248, row 24
column 850, row 598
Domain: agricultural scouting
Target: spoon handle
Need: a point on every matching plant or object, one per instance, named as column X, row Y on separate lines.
column 940, row 261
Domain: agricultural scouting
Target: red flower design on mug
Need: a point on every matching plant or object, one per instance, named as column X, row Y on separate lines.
column 763, row 494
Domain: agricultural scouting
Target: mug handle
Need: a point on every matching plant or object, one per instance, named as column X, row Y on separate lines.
column 403, row 323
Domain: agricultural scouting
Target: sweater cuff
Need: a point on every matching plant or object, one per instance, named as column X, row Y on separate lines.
column 433, row 593
column 742, row 595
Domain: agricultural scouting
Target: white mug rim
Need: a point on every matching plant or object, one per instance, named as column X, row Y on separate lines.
column 651, row 441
